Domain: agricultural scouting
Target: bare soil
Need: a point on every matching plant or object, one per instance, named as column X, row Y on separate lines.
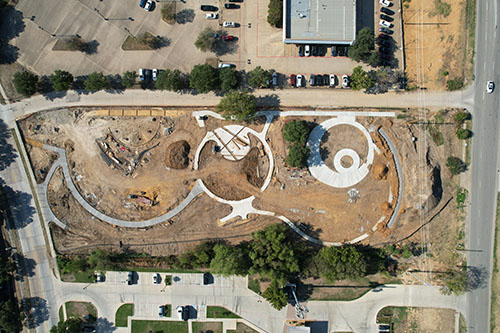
column 428, row 320
column 177, row 156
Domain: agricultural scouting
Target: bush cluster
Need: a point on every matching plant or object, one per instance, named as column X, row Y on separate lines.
column 296, row 133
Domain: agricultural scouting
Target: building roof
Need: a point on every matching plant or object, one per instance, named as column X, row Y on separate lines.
column 298, row 329
column 319, row 21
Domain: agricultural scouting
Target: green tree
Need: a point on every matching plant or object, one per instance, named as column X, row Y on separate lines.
column 204, row 78
column 61, row 80
column 361, row 79
column 7, row 268
column 374, row 59
column 11, row 316
column 463, row 133
column 275, row 13
column 98, row 259
column 272, row 254
column 228, row 78
column 170, row 80
column 237, row 105
column 25, row 83
column 455, row 84
column 275, row 295
column 229, row 260
column 70, row 325
column 343, row 262
column 455, row 281
column 75, row 43
column 259, row 78
column 95, row 81
column 206, row 40
column 461, row 117
column 129, row 78
column 363, row 46
column 455, row 165
column 297, row 155
column 296, row 131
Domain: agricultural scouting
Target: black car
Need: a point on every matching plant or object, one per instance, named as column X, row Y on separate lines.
column 385, row 30
column 326, row 79
column 231, row 6
column 321, row 51
column 207, row 8
column 312, row 80
column 314, row 50
column 319, row 79
column 384, row 42
column 334, row 51
column 384, row 49
column 301, row 50
column 387, row 18
column 386, row 10
column 235, row 0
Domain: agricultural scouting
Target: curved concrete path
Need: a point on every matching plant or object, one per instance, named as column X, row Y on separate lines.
column 122, row 223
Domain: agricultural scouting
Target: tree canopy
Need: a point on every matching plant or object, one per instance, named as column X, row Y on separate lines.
column 11, row 316
column 61, row 80
column 361, row 79
column 296, row 131
column 95, row 81
column 343, row 262
column 206, row 40
column 237, row 105
column 297, row 155
column 363, row 47
column 229, row 260
column 275, row 295
column 455, row 281
column 455, row 165
column 25, row 83
column 70, row 325
column 204, row 78
column 129, row 78
column 259, row 77
column 273, row 254
column 275, row 13
column 228, row 78
column 170, row 80
column 7, row 268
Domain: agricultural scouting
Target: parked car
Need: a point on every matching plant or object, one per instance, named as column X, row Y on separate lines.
column 333, row 80
column 235, row 0
column 149, row 6
column 384, row 23
column 386, row 17
column 301, row 50
column 385, row 30
column 319, row 79
column 307, row 50
column 314, row 50
column 229, row 24
column 345, row 81
column 231, row 6
column 384, row 49
column 155, row 74
column 156, row 278
column 334, row 51
column 147, row 74
column 179, row 310
column 185, row 313
column 384, row 42
column 300, row 81
column 141, row 74
column 312, row 80
column 322, row 51
column 386, row 3
column 161, row 310
column 293, row 80
column 208, row 278
column 99, row 277
column 211, row 16
column 130, row 278
column 275, row 79
column 227, row 38
column 208, row 8
column 326, row 79
column 384, row 36
column 226, row 65
column 142, row 3
column 386, row 11
column 490, row 86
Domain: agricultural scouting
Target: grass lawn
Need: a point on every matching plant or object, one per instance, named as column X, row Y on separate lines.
column 168, row 310
column 220, row 312
column 144, row 326
column 242, row 328
column 123, row 313
column 80, row 309
column 61, row 313
column 204, row 326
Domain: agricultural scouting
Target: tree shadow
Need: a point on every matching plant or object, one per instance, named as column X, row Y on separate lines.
column 271, row 100
column 115, row 85
column 10, row 27
column 7, row 152
column 163, row 42
column 222, row 47
column 91, row 47
column 28, row 267
column 19, row 206
column 185, row 16
column 37, row 311
column 104, row 325
column 477, row 277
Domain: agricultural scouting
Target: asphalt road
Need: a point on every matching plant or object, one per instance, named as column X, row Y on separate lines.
column 484, row 163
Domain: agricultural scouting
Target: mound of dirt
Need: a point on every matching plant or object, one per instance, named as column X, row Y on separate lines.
column 386, row 208
column 380, row 171
column 177, row 156
column 250, row 168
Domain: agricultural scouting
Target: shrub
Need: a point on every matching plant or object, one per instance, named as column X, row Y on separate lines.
column 25, row 83
column 275, row 13
column 463, row 134
column 455, row 84
column 129, row 78
column 297, row 155
column 461, row 117
column 455, row 165
column 296, row 131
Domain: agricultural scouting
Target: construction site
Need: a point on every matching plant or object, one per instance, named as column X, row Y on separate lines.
column 160, row 181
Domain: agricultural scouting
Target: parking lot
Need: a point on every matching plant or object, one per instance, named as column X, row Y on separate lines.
column 108, row 23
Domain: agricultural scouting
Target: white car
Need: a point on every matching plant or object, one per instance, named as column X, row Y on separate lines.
column 385, row 3
column 490, row 86
column 141, row 74
column 300, row 81
column 226, row 65
column 156, row 278
column 180, row 310
column 149, row 6
column 155, row 74
column 333, row 80
column 384, row 23
column 229, row 24
column 211, row 16
column 345, row 81
column 307, row 51
column 161, row 310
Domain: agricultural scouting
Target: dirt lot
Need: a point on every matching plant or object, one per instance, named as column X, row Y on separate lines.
column 436, row 43
column 142, row 173
column 406, row 320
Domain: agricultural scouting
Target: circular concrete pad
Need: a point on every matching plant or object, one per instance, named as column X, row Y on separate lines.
column 343, row 153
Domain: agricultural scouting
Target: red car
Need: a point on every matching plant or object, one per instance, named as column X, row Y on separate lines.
column 292, row 80
column 227, row 37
